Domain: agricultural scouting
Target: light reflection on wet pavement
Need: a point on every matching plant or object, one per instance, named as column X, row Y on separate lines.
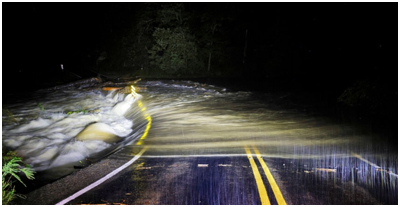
column 180, row 181
column 196, row 153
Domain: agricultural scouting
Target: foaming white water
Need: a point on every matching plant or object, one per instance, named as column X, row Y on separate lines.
column 78, row 151
column 122, row 107
column 198, row 120
column 35, row 124
column 49, row 138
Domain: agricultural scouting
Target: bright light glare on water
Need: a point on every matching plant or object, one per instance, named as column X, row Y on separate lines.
column 193, row 119
column 190, row 119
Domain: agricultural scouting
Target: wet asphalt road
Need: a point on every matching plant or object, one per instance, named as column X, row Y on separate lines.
column 179, row 181
column 196, row 155
column 221, row 180
column 178, row 177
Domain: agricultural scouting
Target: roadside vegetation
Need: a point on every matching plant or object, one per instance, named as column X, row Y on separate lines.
column 13, row 167
column 41, row 106
column 8, row 116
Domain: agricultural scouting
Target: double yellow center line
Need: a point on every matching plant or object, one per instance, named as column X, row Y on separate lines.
column 148, row 118
column 260, row 184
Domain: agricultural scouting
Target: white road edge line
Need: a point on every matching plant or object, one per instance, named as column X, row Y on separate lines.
column 190, row 156
column 100, row 181
column 371, row 163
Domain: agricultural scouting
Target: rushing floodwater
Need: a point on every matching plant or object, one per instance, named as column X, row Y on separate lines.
column 194, row 119
column 67, row 125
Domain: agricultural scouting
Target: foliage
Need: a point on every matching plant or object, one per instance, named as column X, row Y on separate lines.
column 215, row 31
column 40, row 106
column 8, row 193
column 176, row 39
column 174, row 51
column 172, row 15
column 9, row 116
column 11, row 169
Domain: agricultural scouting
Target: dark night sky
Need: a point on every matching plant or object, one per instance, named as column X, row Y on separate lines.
column 331, row 38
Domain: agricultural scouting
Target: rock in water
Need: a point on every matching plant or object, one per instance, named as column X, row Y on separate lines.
column 98, row 131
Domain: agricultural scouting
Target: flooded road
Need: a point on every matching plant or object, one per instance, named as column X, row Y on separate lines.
column 205, row 144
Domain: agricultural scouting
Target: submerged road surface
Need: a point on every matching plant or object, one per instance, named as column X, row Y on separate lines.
column 202, row 144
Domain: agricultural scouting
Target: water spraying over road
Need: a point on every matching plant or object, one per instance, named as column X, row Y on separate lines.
column 71, row 125
column 191, row 119
column 195, row 120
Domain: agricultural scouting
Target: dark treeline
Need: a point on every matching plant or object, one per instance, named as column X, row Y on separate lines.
column 335, row 40
column 170, row 39
column 344, row 51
